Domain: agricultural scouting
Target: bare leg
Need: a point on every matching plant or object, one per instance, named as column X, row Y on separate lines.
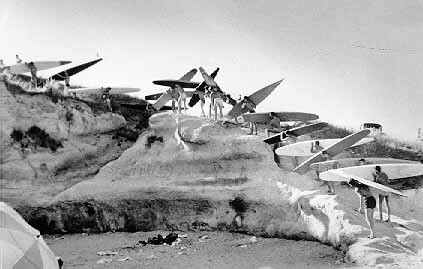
column 215, row 112
column 185, row 105
column 220, row 109
column 380, row 206
column 251, row 128
column 360, row 209
column 369, row 220
column 179, row 105
column 202, row 109
column 255, row 126
column 388, row 208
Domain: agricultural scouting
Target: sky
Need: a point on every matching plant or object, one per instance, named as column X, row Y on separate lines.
column 348, row 61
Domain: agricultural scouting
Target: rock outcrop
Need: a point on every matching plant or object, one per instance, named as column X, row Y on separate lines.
column 48, row 145
column 188, row 173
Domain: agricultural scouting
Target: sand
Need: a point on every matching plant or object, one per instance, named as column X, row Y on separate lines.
column 218, row 250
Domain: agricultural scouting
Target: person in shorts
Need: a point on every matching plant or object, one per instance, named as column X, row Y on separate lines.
column 274, row 125
column 382, row 178
column 369, row 203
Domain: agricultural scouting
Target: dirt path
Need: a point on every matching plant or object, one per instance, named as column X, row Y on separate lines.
column 218, row 250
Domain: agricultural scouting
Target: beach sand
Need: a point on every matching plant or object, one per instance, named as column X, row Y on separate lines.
column 217, row 250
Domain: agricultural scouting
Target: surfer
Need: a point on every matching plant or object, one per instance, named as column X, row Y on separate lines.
column 330, row 185
column 18, row 59
column 274, row 124
column 248, row 104
column 202, row 96
column 106, row 98
column 382, row 178
column 315, row 147
column 182, row 98
column 369, row 201
column 361, row 209
column 33, row 70
column 217, row 101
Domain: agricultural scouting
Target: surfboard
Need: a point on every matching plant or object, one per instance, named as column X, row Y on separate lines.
column 167, row 95
column 303, row 148
column 283, row 116
column 74, row 70
column 297, row 131
column 201, row 88
column 257, row 97
column 338, row 175
column 332, row 150
column 114, row 90
column 208, row 79
column 341, row 163
column 153, row 96
column 174, row 83
column 40, row 65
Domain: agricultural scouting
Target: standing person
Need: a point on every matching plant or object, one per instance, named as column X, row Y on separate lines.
column 315, row 147
column 182, row 99
column 274, row 125
column 329, row 184
column 33, row 69
column 369, row 201
column 382, row 178
column 18, row 60
column 1, row 65
column 202, row 96
column 250, row 106
column 217, row 103
column 361, row 208
column 106, row 98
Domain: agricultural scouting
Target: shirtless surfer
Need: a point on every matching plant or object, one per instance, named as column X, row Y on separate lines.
column 369, row 201
column 382, row 178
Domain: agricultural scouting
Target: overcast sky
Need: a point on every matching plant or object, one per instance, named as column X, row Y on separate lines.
column 348, row 61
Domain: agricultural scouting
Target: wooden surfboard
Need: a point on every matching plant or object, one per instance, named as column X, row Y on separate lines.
column 341, row 163
column 335, row 175
column 40, row 65
column 283, row 116
column 302, row 130
column 175, row 83
column 201, row 88
column 74, row 70
column 167, row 95
column 332, row 150
column 114, row 90
column 257, row 97
column 303, row 148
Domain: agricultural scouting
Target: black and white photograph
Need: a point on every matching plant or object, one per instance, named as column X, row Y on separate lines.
column 259, row 134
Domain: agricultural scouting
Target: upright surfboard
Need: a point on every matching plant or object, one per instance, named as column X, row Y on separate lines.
column 301, row 130
column 74, row 70
column 114, row 90
column 40, row 65
column 338, row 175
column 332, row 150
column 341, row 163
column 201, row 88
column 257, row 97
column 303, row 148
column 283, row 116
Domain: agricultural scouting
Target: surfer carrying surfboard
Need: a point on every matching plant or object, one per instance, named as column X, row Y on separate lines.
column 33, row 69
column 274, row 125
column 182, row 99
column 382, row 178
column 217, row 102
column 248, row 104
column 369, row 201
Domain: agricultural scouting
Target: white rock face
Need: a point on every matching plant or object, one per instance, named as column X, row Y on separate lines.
column 201, row 160
column 26, row 172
